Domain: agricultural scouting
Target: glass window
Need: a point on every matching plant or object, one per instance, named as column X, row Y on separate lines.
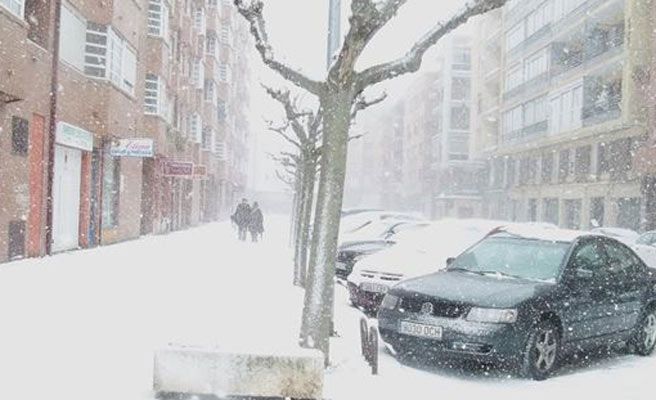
column 15, row 6
column 72, row 38
column 590, row 256
column 515, row 257
column 621, row 259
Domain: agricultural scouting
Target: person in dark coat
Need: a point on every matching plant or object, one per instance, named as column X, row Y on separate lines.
column 256, row 224
column 242, row 217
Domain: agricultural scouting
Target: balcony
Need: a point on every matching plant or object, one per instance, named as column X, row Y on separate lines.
column 603, row 98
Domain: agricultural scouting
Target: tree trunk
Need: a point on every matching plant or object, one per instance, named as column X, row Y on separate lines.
column 306, row 216
column 297, row 220
column 317, row 308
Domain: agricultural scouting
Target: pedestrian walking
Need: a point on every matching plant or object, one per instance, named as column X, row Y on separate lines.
column 241, row 217
column 256, row 223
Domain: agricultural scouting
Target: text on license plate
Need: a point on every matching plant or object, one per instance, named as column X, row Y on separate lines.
column 373, row 287
column 421, row 330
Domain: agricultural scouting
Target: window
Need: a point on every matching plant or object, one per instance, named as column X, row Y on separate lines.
column 512, row 122
column 72, row 38
column 210, row 44
column 20, row 136
column 123, row 63
column 198, row 73
column 462, row 58
column 532, row 210
column 597, row 212
column 158, row 18
column 562, row 8
column 514, row 77
column 225, row 33
column 207, row 135
column 536, row 65
column 628, row 213
column 220, row 150
column 538, row 19
column 225, row 73
column 95, row 55
column 212, row 3
column 535, row 111
column 15, row 6
column 573, row 214
column 460, row 118
column 566, row 110
column 155, row 98
column 210, row 91
column 621, row 260
column 547, row 167
column 221, row 110
column 582, row 161
column 461, row 89
column 38, row 19
column 199, row 20
column 511, row 172
column 551, row 209
column 590, row 256
column 111, row 189
column 515, row 36
column 195, row 128
column 563, row 165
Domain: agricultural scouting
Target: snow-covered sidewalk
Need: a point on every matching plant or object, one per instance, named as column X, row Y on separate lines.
column 84, row 325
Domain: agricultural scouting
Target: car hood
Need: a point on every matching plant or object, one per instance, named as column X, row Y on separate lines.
column 364, row 246
column 477, row 290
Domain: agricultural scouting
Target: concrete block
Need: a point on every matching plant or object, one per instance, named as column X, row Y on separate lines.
column 205, row 371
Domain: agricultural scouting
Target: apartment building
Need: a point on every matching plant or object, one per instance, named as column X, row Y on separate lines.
column 149, row 130
column 572, row 113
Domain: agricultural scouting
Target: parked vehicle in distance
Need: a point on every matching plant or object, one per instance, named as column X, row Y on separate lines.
column 369, row 240
column 639, row 243
column 525, row 298
column 353, row 211
column 354, row 222
column 416, row 253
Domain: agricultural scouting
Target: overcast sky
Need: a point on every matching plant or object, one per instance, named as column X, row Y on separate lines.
column 298, row 30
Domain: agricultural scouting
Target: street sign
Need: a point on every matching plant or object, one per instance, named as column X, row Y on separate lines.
column 135, row 147
column 72, row 136
column 178, row 169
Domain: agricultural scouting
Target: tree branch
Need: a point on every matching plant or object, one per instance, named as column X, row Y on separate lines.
column 251, row 10
column 411, row 61
column 362, row 103
column 282, row 131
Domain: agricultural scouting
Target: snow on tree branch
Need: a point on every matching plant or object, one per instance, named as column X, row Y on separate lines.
column 362, row 103
column 367, row 18
column 282, row 131
column 411, row 61
column 251, row 10
column 291, row 113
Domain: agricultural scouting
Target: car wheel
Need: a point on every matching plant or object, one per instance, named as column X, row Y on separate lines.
column 644, row 338
column 541, row 353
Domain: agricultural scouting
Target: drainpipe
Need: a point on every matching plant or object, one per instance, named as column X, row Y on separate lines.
column 52, row 125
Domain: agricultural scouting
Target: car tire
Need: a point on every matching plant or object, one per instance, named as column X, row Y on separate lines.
column 643, row 340
column 542, row 352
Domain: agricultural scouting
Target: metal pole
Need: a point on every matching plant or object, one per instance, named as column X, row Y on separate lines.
column 334, row 30
column 52, row 128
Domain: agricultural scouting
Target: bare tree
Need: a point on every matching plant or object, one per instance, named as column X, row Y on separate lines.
column 337, row 94
column 306, row 129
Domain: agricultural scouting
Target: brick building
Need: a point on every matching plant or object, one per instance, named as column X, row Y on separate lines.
column 131, row 74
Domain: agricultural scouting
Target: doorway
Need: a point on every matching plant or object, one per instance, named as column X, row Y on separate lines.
column 66, row 198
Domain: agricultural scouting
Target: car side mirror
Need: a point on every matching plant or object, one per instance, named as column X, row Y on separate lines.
column 450, row 261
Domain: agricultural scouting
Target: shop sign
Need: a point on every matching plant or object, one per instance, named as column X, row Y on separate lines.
column 200, row 171
column 178, row 168
column 136, row 147
column 72, row 136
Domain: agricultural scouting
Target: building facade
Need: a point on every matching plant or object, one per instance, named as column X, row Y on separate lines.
column 149, row 127
column 571, row 113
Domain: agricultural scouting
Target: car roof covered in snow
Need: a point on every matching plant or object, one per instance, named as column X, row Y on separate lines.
column 546, row 232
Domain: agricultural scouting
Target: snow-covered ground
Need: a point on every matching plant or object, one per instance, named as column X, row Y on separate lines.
column 84, row 325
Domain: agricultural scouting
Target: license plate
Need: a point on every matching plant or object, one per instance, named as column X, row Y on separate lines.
column 421, row 330
column 373, row 287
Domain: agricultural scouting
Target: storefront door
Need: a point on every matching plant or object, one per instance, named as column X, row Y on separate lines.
column 66, row 198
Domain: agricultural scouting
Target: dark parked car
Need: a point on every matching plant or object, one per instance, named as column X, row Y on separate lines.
column 525, row 299
column 349, row 253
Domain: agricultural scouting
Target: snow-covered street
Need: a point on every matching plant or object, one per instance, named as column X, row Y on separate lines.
column 85, row 324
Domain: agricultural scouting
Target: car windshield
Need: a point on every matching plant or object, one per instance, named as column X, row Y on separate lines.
column 514, row 257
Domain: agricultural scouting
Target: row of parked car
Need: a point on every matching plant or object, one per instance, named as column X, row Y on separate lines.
column 514, row 293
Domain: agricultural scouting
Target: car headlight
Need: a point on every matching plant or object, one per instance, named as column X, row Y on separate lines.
column 492, row 315
column 390, row 302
